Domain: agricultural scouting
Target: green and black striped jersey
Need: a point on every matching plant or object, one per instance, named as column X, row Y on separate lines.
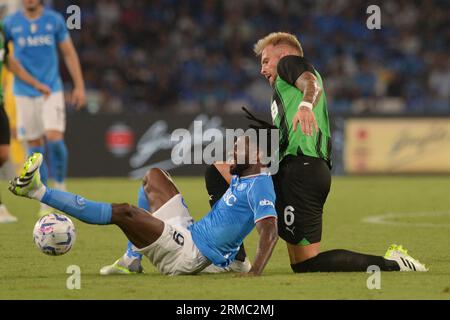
column 285, row 101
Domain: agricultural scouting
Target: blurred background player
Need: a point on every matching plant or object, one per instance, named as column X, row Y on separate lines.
column 37, row 33
column 19, row 71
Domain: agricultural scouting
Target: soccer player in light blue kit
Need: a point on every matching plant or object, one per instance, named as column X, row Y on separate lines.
column 169, row 237
column 131, row 261
column 37, row 33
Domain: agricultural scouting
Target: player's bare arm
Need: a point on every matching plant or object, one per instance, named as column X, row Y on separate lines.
column 18, row 70
column 78, row 98
column 268, row 237
column 308, row 84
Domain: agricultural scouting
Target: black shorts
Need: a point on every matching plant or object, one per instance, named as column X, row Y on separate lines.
column 5, row 133
column 301, row 185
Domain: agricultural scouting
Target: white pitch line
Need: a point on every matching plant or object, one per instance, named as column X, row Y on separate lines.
column 384, row 219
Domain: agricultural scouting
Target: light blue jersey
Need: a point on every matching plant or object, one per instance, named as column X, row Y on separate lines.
column 220, row 233
column 36, row 47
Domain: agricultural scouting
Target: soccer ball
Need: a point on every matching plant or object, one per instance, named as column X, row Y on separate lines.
column 54, row 234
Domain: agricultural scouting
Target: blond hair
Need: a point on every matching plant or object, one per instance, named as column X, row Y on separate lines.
column 277, row 38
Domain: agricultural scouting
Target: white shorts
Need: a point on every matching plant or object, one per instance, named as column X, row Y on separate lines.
column 175, row 253
column 36, row 115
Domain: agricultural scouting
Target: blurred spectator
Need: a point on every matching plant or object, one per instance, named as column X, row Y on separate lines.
column 196, row 55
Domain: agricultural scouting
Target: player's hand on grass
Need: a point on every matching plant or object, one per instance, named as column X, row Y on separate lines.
column 307, row 120
column 78, row 98
column 44, row 89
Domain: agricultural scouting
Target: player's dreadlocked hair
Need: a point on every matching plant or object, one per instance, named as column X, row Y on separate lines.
column 261, row 124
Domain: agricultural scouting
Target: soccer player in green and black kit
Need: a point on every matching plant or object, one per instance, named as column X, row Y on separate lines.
column 302, row 183
column 19, row 71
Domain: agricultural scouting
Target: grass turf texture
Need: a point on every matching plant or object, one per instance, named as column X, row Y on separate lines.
column 26, row 273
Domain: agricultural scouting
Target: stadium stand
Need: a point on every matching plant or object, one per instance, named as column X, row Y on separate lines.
column 192, row 56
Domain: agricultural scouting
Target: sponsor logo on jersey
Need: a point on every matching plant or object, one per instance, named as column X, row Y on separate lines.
column 266, row 202
column 229, row 198
column 35, row 41
column 33, row 28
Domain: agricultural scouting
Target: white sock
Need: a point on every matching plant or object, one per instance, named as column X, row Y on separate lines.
column 38, row 194
column 126, row 260
column 2, row 207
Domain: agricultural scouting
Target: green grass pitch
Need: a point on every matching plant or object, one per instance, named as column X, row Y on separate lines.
column 26, row 273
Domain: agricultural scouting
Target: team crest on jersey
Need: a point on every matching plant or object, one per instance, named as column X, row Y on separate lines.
column 33, row 28
column 274, row 110
column 242, row 186
column 48, row 27
column 80, row 201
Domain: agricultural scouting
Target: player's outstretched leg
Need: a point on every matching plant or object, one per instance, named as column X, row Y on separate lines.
column 141, row 228
column 339, row 260
column 158, row 186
